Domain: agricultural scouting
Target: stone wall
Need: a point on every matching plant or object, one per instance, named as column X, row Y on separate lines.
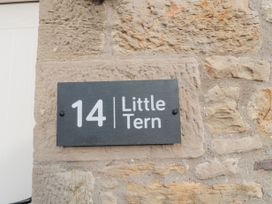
column 221, row 53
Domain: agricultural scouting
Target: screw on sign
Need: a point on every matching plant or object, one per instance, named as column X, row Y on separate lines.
column 98, row 2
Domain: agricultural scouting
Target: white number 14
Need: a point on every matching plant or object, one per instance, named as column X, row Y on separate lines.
column 98, row 107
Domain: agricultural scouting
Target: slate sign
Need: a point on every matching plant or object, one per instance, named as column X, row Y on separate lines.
column 118, row 113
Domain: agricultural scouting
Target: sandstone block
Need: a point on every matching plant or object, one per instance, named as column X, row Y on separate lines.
column 260, row 110
column 187, row 193
column 185, row 70
column 53, row 184
column 140, row 169
column 221, row 67
column 267, row 10
column 222, row 111
column 216, row 168
column 70, row 29
column 228, row 145
column 201, row 26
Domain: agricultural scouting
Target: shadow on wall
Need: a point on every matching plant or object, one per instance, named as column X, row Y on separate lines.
column 23, row 201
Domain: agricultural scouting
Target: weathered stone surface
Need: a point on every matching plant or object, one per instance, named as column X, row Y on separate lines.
column 260, row 110
column 240, row 5
column 221, row 67
column 109, row 183
column 222, row 111
column 139, row 169
column 70, row 29
column 108, row 198
column 216, row 168
column 265, row 165
column 267, row 10
column 184, row 69
column 229, row 145
column 199, row 26
column 57, row 185
column 187, row 193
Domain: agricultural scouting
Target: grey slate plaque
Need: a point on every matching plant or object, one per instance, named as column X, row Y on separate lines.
column 118, row 113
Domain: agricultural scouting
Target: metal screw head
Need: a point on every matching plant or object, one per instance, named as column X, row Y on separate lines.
column 61, row 113
column 175, row 111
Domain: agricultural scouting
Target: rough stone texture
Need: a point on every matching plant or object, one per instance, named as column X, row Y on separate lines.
column 267, row 10
column 104, row 179
column 139, row 169
column 216, row 168
column 260, row 110
column 221, row 67
column 108, row 198
column 240, row 5
column 198, row 26
column 75, row 183
column 222, row 111
column 70, row 29
column 227, row 146
column 185, row 70
column 265, row 165
column 187, row 193
column 58, row 185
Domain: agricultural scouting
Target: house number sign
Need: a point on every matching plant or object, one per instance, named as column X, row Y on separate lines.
column 118, row 113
